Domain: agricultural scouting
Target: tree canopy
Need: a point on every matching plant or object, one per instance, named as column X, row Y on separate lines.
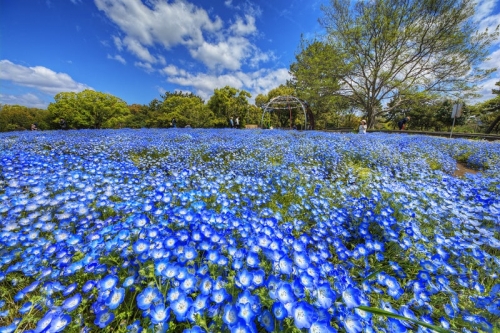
column 392, row 49
column 89, row 109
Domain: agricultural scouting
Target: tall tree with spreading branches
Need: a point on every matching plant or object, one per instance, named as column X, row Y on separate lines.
column 392, row 49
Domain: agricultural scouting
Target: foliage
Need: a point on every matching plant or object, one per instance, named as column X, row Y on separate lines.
column 392, row 49
column 88, row 109
column 278, row 231
column 315, row 80
column 491, row 111
column 229, row 102
column 17, row 117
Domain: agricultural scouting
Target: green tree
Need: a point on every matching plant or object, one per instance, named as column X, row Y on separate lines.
column 18, row 117
column 89, row 109
column 392, row 48
column 138, row 116
column 491, row 111
column 186, row 108
column 228, row 102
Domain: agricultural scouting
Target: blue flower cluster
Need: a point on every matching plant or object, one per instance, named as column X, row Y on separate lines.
column 247, row 231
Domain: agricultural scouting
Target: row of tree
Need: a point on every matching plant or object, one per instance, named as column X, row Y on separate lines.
column 92, row 109
column 379, row 60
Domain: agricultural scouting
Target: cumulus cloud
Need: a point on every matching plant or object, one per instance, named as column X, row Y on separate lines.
column 40, row 78
column 257, row 82
column 29, row 100
column 145, row 26
column 118, row 58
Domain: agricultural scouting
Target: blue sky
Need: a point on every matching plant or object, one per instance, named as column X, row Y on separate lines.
column 137, row 50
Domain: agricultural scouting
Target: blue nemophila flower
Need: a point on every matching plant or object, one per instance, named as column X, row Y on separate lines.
column 321, row 326
column 189, row 284
column 258, row 278
column 325, row 296
column 303, row 314
column 88, row 286
column 44, row 323
column 108, row 282
column 284, row 293
column 25, row 308
column 285, row 265
column 266, row 320
column 59, row 322
column 230, row 315
column 206, row 285
column 219, row 296
column 115, row 298
column 301, row 259
column 128, row 281
column 71, row 303
column 190, row 253
column 352, row 324
column 352, row 297
column 244, row 279
column 140, row 246
column 135, row 327
column 200, row 303
column 174, row 294
column 104, row 318
column 252, row 259
column 396, row 326
column 9, row 328
column 147, row 297
column 181, row 306
column 246, row 312
column 159, row 314
column 161, row 266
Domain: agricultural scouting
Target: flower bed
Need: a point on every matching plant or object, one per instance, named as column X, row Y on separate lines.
column 247, row 231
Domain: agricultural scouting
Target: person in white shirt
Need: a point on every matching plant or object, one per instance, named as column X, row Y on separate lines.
column 362, row 127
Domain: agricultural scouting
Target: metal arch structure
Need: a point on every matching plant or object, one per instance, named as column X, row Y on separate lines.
column 287, row 103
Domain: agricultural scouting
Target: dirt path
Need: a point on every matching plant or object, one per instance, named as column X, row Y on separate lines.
column 462, row 170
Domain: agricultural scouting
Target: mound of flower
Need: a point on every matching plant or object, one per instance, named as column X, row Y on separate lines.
column 247, row 231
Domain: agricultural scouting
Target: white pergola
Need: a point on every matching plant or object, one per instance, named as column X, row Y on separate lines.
column 285, row 103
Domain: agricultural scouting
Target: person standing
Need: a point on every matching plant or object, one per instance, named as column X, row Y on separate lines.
column 362, row 127
column 62, row 123
column 231, row 122
column 402, row 123
column 174, row 123
column 237, row 122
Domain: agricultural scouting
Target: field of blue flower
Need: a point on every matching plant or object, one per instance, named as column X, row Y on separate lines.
column 247, row 231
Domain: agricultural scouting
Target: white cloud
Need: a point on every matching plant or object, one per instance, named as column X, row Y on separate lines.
column 118, row 58
column 118, row 43
column 258, row 82
column 225, row 55
column 180, row 23
column 242, row 28
column 29, row 100
column 486, row 16
column 172, row 70
column 140, row 51
column 40, row 78
column 144, row 65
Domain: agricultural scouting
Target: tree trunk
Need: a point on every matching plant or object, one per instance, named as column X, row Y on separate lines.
column 493, row 124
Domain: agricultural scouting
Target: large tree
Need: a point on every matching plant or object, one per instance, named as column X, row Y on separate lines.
column 229, row 102
column 394, row 48
column 89, row 109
